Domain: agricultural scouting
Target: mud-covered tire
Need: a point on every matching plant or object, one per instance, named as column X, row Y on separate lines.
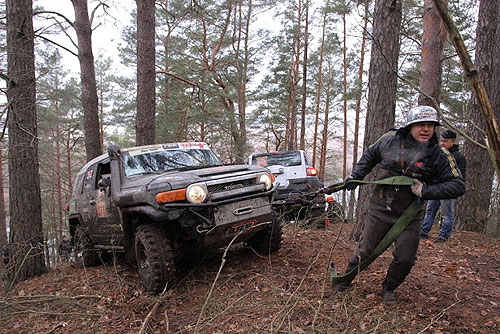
column 85, row 253
column 155, row 259
column 267, row 240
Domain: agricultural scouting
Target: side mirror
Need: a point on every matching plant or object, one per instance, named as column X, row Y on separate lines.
column 113, row 152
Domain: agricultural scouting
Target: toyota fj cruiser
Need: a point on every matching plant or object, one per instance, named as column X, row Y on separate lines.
column 160, row 202
column 297, row 194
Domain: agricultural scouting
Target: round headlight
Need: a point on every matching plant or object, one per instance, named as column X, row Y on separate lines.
column 196, row 193
column 266, row 179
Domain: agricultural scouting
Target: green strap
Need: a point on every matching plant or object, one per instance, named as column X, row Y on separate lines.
column 400, row 225
column 392, row 181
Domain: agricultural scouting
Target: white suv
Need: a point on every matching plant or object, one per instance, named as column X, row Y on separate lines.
column 296, row 196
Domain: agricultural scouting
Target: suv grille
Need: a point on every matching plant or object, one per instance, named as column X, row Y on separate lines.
column 231, row 185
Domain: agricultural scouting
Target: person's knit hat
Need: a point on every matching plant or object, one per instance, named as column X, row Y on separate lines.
column 448, row 134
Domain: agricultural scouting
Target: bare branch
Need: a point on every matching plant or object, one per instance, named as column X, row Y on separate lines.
column 95, row 9
column 55, row 13
column 55, row 43
column 194, row 84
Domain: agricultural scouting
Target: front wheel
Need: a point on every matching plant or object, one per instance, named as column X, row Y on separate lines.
column 155, row 259
column 268, row 240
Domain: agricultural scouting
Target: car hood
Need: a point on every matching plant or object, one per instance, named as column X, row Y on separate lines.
column 179, row 179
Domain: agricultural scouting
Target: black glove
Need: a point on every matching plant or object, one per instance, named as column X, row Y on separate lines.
column 350, row 185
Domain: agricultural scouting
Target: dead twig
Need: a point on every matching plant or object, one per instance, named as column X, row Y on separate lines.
column 61, row 324
column 440, row 314
column 293, row 295
column 223, row 262
column 151, row 313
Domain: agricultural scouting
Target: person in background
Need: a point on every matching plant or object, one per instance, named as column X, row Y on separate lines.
column 448, row 140
column 410, row 151
column 5, row 254
column 65, row 249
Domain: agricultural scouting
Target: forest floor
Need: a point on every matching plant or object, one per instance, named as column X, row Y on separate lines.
column 453, row 288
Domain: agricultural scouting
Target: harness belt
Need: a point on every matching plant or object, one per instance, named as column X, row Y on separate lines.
column 403, row 221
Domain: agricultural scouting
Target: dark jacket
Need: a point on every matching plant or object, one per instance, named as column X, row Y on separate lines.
column 65, row 246
column 459, row 158
column 399, row 153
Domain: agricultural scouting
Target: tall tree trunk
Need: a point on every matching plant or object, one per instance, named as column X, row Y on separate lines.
column 60, row 221
column 26, row 238
column 304, row 80
column 318, row 89
column 292, row 99
column 324, row 139
column 473, row 208
column 83, row 30
column 67, row 149
column 146, row 76
column 359, row 94
column 3, row 224
column 433, row 38
column 382, row 84
column 344, row 98
column 242, row 69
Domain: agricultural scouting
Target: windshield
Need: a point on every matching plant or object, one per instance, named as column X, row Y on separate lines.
column 291, row 158
column 161, row 161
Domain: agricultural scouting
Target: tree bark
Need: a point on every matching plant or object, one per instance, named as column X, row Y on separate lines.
column 26, row 241
column 294, row 77
column 3, row 225
column 146, row 77
column 324, row 139
column 382, row 84
column 344, row 98
column 304, row 80
column 318, row 90
column 433, row 38
column 83, row 30
column 473, row 208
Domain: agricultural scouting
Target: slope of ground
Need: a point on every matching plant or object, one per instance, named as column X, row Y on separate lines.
column 454, row 288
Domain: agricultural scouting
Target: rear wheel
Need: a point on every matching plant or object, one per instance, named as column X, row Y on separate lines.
column 155, row 259
column 85, row 253
column 268, row 240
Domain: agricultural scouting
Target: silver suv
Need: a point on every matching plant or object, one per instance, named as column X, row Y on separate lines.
column 298, row 182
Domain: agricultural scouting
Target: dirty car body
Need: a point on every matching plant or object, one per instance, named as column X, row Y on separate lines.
column 158, row 203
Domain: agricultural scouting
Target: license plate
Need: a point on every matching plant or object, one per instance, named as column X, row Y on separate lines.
column 240, row 227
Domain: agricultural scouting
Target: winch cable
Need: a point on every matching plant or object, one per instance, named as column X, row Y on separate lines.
column 403, row 221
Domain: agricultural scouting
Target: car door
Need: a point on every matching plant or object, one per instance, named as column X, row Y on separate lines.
column 99, row 213
column 108, row 228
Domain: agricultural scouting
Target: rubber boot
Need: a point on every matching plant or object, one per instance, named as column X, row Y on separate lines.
column 388, row 297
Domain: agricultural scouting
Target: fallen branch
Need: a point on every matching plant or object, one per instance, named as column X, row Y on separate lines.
column 223, row 262
column 440, row 315
column 151, row 313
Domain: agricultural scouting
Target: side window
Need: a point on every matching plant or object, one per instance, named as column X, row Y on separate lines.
column 89, row 179
column 77, row 185
column 103, row 172
column 305, row 159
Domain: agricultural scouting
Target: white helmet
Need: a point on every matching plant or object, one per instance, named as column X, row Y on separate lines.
column 422, row 114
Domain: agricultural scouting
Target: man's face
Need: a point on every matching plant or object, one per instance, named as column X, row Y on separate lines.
column 447, row 143
column 422, row 131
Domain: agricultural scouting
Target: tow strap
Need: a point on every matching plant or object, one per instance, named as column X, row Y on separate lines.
column 403, row 221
